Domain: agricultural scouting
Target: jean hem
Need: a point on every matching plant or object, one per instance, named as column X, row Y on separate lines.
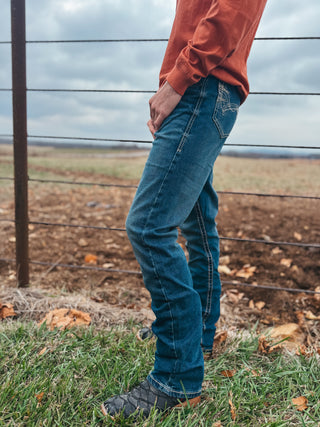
column 170, row 391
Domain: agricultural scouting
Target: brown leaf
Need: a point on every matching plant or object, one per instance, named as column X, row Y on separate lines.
column 246, row 271
column 260, row 304
column 286, row 262
column 65, row 318
column 90, row 259
column 6, row 310
column 234, row 295
column 41, row 352
column 220, row 337
column 300, row 317
column 310, row 316
column 317, row 296
column 40, row 396
column 228, row 373
column 291, row 333
column 217, row 424
column 302, row 350
column 223, row 269
column 251, row 304
column 232, row 408
column 83, row 243
column 276, row 251
column 224, row 260
column 301, row 403
column 108, row 265
column 297, row 236
column 266, row 347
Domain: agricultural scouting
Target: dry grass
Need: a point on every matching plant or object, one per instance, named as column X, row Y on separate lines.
column 291, row 176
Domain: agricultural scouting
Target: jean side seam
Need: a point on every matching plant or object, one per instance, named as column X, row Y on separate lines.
column 209, row 259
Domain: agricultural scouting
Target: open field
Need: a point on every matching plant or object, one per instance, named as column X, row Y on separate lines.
column 89, row 365
column 246, row 217
column 292, row 176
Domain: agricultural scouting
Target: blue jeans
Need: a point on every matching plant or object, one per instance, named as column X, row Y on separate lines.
column 176, row 191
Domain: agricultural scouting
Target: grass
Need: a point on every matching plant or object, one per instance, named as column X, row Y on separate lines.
column 80, row 368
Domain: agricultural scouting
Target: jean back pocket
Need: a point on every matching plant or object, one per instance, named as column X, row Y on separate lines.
column 226, row 108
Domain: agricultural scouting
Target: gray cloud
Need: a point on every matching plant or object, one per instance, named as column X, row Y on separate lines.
column 273, row 66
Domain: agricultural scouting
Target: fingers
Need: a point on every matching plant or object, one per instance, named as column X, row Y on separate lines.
column 151, row 128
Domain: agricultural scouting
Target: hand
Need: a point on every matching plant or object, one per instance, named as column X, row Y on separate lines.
column 161, row 105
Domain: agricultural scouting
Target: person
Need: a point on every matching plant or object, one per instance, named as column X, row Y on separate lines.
column 203, row 80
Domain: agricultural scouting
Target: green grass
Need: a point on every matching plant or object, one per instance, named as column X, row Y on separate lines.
column 82, row 367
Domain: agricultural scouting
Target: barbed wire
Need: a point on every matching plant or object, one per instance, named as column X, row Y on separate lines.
column 136, row 186
column 234, row 239
column 151, row 91
column 141, row 141
column 144, row 40
column 109, row 270
column 138, row 141
column 99, row 184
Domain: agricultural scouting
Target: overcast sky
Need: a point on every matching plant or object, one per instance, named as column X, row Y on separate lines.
column 285, row 66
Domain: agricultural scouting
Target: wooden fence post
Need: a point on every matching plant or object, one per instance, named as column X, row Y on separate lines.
column 20, row 145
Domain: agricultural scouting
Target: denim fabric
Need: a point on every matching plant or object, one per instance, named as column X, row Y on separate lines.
column 176, row 191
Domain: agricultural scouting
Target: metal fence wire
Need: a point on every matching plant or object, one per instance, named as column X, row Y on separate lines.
column 19, row 89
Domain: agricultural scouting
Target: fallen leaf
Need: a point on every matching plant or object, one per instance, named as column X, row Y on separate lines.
column 302, row 350
column 217, row 424
column 224, row 260
column 265, row 346
column 276, row 251
column 83, row 243
column 223, row 269
column 65, row 318
column 108, row 265
column 310, row 316
column 246, row 271
column 255, row 373
column 232, row 408
column 295, row 269
column 90, row 259
column 291, row 332
column 39, row 396
column 6, row 310
column 12, row 239
column 286, row 262
column 220, row 337
column 41, row 352
column 234, row 295
column 297, row 236
column 300, row 317
column 228, row 373
column 260, row 304
column 301, row 403
column 251, row 304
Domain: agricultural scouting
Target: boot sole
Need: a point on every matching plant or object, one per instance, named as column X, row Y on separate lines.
column 192, row 402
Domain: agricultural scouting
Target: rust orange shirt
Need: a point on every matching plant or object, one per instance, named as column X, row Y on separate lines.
column 211, row 37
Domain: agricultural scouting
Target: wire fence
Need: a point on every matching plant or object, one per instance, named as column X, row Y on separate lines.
column 138, row 141
column 142, row 141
